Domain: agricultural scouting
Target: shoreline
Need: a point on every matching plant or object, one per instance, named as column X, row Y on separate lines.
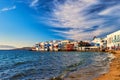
column 112, row 74
column 114, row 71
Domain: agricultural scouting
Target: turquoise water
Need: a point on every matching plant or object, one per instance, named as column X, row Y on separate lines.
column 28, row 65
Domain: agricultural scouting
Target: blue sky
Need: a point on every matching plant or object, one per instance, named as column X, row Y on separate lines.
column 25, row 22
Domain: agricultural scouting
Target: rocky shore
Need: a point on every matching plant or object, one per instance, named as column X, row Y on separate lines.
column 114, row 72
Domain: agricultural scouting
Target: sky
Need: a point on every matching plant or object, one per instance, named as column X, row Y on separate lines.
column 26, row 22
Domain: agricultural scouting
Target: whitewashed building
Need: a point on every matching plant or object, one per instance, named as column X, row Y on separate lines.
column 100, row 43
column 51, row 46
column 41, row 46
column 55, row 46
column 75, row 44
column 113, row 40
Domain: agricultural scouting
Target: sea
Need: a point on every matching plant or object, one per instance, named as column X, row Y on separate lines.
column 32, row 65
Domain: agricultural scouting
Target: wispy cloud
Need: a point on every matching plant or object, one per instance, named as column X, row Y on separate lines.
column 85, row 22
column 8, row 9
column 33, row 3
column 113, row 10
column 71, row 14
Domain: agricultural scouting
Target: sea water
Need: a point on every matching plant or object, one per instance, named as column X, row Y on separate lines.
column 30, row 65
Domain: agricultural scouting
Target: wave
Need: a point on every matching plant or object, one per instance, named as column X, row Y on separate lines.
column 21, row 63
column 22, row 74
column 89, row 72
column 67, row 70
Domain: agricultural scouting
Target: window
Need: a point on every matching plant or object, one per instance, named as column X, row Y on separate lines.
column 115, row 37
column 118, row 45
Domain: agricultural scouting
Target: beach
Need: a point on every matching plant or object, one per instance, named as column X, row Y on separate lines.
column 114, row 72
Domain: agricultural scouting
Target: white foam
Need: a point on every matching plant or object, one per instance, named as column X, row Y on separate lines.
column 111, row 57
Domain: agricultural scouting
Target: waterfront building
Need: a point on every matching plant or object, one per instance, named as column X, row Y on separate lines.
column 113, row 40
column 41, row 46
column 46, row 46
column 69, row 47
column 100, row 43
column 51, row 46
column 63, row 44
column 55, row 47
column 97, row 42
column 104, row 43
column 82, row 46
column 37, row 47
column 34, row 49
column 75, row 44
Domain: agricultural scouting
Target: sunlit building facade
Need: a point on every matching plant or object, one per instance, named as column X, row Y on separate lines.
column 113, row 40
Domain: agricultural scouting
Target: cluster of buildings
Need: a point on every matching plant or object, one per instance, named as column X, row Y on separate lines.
column 60, row 45
column 110, row 42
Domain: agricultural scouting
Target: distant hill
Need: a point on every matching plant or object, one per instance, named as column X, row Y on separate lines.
column 6, row 47
column 24, row 48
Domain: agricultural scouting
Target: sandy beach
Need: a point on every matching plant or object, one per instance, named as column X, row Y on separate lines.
column 114, row 72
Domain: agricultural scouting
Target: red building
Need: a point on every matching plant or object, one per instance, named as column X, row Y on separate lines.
column 69, row 47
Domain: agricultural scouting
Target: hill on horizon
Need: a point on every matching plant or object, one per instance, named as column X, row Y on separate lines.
column 6, row 47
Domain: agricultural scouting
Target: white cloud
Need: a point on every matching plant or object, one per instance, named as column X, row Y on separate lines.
column 33, row 3
column 8, row 9
column 72, row 14
column 111, row 11
column 78, row 34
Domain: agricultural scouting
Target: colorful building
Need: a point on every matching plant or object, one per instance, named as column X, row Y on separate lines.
column 69, row 47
